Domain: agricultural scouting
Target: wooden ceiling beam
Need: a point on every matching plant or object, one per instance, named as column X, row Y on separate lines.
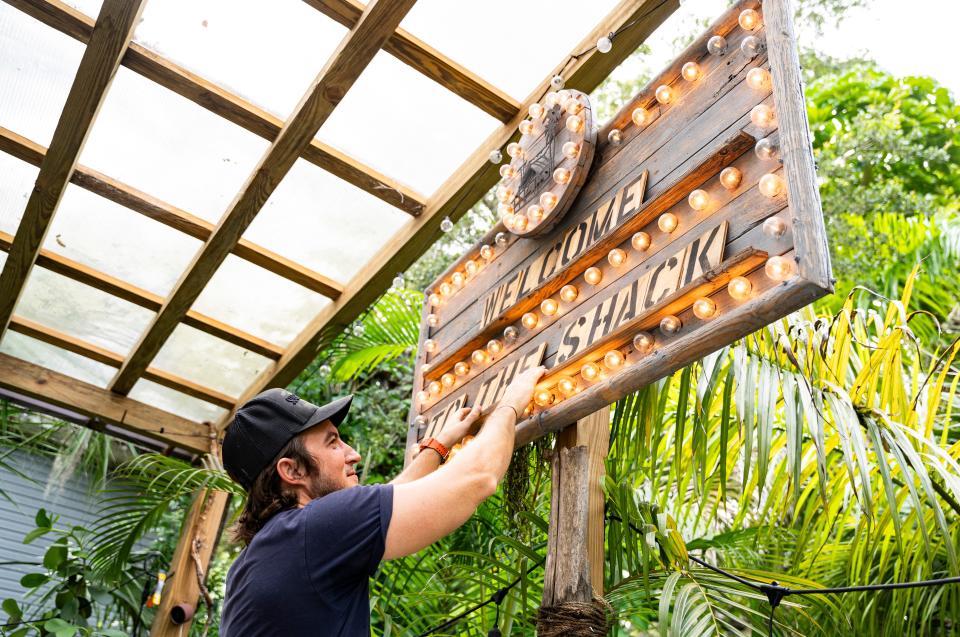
column 344, row 67
column 171, row 216
column 109, row 39
column 430, row 62
column 70, row 21
column 583, row 69
column 148, row 300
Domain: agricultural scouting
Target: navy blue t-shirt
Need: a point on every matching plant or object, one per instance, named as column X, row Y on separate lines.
column 307, row 571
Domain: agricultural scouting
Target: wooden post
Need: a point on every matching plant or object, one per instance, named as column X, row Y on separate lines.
column 198, row 539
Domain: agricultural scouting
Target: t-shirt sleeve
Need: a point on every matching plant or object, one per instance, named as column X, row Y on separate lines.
column 346, row 530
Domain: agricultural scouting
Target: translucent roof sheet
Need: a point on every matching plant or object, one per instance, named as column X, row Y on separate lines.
column 176, row 403
column 324, row 223
column 37, row 67
column 262, row 38
column 16, row 182
column 405, row 125
column 170, row 148
column 56, row 359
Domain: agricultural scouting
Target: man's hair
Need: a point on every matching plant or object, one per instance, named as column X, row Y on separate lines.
column 268, row 496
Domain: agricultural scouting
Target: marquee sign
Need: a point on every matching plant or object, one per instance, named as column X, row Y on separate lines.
column 691, row 220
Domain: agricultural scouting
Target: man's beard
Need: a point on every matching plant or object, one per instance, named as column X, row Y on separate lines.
column 321, row 485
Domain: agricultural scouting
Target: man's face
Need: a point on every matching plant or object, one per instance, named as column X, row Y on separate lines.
column 335, row 460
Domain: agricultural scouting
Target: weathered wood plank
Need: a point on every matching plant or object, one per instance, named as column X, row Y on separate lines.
column 568, row 576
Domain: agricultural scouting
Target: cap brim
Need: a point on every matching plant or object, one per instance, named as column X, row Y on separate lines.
column 335, row 412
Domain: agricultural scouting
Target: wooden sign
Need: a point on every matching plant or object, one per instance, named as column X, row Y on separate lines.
column 698, row 221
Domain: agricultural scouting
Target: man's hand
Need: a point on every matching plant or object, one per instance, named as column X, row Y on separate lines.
column 464, row 422
column 519, row 392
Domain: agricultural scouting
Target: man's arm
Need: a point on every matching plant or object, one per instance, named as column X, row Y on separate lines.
column 435, row 505
column 429, row 460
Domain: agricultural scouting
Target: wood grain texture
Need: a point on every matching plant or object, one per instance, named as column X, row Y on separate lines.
column 566, row 576
column 329, row 87
column 171, row 216
column 63, row 391
column 428, row 61
column 108, row 41
column 222, row 102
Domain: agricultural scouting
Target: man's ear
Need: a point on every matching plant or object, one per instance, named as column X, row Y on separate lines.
column 290, row 471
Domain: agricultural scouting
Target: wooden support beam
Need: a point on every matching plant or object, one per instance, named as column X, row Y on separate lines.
column 420, row 56
column 464, row 187
column 108, row 41
column 171, row 216
column 341, row 71
column 69, row 393
column 66, row 19
column 142, row 298
column 190, row 563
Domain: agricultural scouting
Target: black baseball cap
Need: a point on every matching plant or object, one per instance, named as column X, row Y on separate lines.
column 265, row 424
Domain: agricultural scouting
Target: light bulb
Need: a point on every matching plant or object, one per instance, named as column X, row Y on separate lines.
column 505, row 209
column 471, row 267
column 615, row 137
column 543, row 397
column 616, row 257
column 670, row 324
column 640, row 116
column 774, row 227
column 763, row 116
column 698, row 199
column 569, row 293
column 739, row 288
column 717, row 45
column 704, row 308
column 613, row 359
column 510, row 334
column 548, row 200
column 758, row 79
column 495, row 157
column 446, row 289
column 779, row 268
column 573, row 106
column 507, row 171
column 765, row 149
column 535, row 110
column 494, row 347
column 570, row 149
column 690, row 71
column 668, row 222
column 604, row 45
column 422, row 397
column 664, row 94
column 530, row 320
column 461, row 368
column 561, row 176
column 519, row 223
column 549, row 307
column 448, row 380
column 593, row 276
column 551, row 99
column 434, row 388
column 771, row 185
column 562, row 96
column 457, row 279
column 515, row 150
column 501, row 239
column 749, row 19
column 535, row 213
column 504, row 194
column 557, row 82
column 640, row 241
column 589, row 371
column 446, row 225
column 751, row 45
column 567, row 386
column 433, row 320
column 574, row 123
column 730, row 177
column 643, row 342
column 486, row 252
column 527, row 127
column 434, row 299
column 398, row 281
column 420, row 422
column 479, row 357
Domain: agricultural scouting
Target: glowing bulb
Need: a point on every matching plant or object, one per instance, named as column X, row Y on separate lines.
column 779, row 268
column 423, row 368
column 448, row 380
column 670, row 324
column 557, row 81
column 758, row 79
column 698, row 199
column 536, row 110
column 690, row 71
column 604, row 45
column 548, row 200
column 501, row 239
column 526, row 127
column 765, row 149
column 494, row 347
column 763, row 116
column 561, row 176
column 593, row 276
column 461, row 368
column 530, row 320
column 495, row 157
column 471, row 267
column 433, row 320
column 562, row 96
column 730, row 177
column 640, row 116
column 551, row 99
column 479, row 357
column 771, row 185
column 751, row 45
column 519, row 223
column 739, row 288
column 434, row 388
column 567, row 386
column 589, row 371
column 420, row 422
column 569, row 293
column 507, row 171
column 668, row 222
column 613, row 359
column 640, row 241
column 535, row 213
column 510, row 334
column 486, row 252
column 574, row 123
column 515, row 150
column 422, row 397
column 457, row 279
column 774, row 227
column 616, row 257
column 664, row 94
column 504, row 194
column 717, row 45
column 643, row 342
column 615, row 137
column 570, row 149
column 749, row 19
column 434, row 299
column 446, row 289
column 543, row 397
column 549, row 307
column 573, row 106
column 704, row 308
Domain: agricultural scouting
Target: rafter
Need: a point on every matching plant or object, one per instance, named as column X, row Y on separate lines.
column 431, row 63
column 584, row 69
column 67, row 20
column 108, row 41
column 352, row 55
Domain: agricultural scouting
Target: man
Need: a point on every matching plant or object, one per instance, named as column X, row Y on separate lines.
column 313, row 537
